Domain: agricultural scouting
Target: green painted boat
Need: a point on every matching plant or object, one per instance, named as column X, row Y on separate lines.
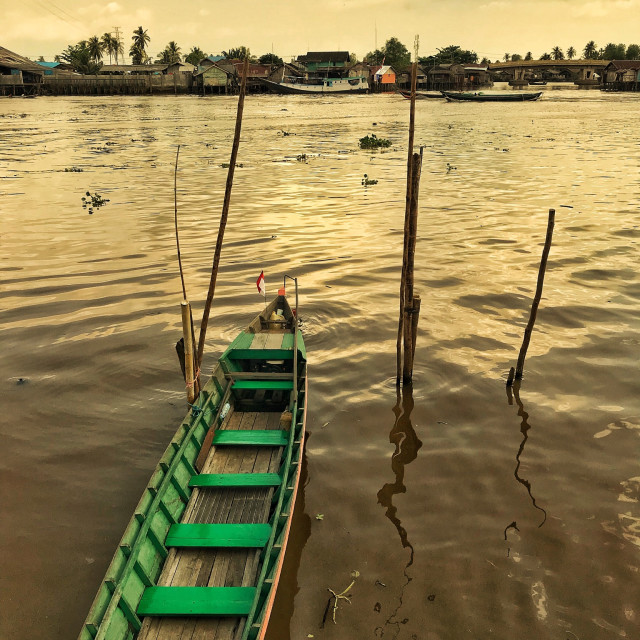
column 503, row 96
column 202, row 554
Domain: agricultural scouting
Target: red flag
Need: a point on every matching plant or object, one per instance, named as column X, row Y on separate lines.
column 260, row 283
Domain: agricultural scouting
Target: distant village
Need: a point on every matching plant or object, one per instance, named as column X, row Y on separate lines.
column 221, row 74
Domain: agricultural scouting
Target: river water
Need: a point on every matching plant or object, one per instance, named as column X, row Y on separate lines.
column 466, row 516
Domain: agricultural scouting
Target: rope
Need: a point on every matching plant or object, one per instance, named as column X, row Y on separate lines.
column 195, row 410
column 190, row 384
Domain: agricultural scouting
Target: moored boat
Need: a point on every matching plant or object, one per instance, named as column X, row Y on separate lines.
column 422, row 95
column 319, row 86
column 204, row 549
column 505, row 96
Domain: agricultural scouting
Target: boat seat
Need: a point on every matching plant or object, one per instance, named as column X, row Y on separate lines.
column 260, row 354
column 218, row 535
column 254, row 438
column 196, row 601
column 275, row 385
column 236, row 480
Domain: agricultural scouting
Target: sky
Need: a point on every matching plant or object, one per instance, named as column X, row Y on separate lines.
column 289, row 28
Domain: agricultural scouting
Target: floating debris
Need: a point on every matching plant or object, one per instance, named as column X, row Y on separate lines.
column 373, row 142
column 92, row 200
column 73, row 170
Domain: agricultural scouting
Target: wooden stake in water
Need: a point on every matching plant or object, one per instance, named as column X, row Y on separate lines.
column 409, row 350
column 224, row 215
column 188, row 350
column 536, row 299
column 191, row 350
column 403, row 277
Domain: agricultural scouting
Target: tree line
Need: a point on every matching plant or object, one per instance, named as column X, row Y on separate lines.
column 87, row 55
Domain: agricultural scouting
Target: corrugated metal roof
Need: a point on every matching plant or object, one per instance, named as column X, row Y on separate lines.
column 325, row 56
column 16, row 61
column 625, row 64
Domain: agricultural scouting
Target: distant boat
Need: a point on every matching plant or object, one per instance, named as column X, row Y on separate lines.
column 506, row 96
column 319, row 86
column 422, row 95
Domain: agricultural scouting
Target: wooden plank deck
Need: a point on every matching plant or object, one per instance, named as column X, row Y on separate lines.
column 218, row 505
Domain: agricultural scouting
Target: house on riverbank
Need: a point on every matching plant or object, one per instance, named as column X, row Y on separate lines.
column 19, row 75
column 622, row 75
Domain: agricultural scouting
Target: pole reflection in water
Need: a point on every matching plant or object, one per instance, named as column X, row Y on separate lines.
column 524, row 430
column 407, row 444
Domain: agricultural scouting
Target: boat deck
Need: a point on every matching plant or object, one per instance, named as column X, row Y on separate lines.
column 221, row 567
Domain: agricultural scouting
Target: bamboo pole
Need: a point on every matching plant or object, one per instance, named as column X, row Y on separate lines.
column 412, row 118
column 196, row 388
column 224, row 215
column 407, row 369
column 188, row 350
column 415, row 318
column 538, row 295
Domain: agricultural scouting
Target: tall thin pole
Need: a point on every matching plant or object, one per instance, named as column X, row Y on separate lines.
column 407, row 369
column 175, row 210
column 188, row 351
column 536, row 299
column 224, row 215
column 412, row 117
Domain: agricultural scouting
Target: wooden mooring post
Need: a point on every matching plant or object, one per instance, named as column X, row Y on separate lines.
column 188, row 351
column 223, row 216
column 518, row 371
column 408, row 317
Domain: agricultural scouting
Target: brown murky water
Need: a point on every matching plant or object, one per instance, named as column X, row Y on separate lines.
column 466, row 516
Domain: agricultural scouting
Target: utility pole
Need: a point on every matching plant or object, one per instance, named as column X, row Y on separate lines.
column 118, row 43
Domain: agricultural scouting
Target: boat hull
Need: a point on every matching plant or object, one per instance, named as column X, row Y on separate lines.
column 491, row 97
column 240, row 446
column 423, row 95
column 316, row 90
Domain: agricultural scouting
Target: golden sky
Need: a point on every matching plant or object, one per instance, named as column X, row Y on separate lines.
column 490, row 28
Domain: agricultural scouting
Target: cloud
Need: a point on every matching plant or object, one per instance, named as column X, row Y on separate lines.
column 600, row 8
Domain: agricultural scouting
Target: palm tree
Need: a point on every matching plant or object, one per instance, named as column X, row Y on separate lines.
column 170, row 54
column 118, row 48
column 95, row 47
column 557, row 53
column 571, row 53
column 591, row 50
column 108, row 44
column 195, row 55
column 140, row 40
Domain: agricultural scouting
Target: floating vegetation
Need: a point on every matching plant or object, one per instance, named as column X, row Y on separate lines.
column 73, row 169
column 101, row 149
column 93, row 200
column 226, row 165
column 366, row 181
column 373, row 142
column 302, row 157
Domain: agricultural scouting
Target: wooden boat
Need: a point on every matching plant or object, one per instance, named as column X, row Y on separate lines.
column 506, row 96
column 202, row 554
column 422, row 95
column 319, row 86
